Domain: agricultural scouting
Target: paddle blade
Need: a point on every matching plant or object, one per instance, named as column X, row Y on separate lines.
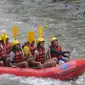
column 40, row 31
column 26, row 50
column 15, row 31
column 31, row 37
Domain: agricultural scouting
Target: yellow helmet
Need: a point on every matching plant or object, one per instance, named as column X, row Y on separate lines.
column 52, row 39
column 40, row 40
column 6, row 36
column 15, row 42
column 0, row 39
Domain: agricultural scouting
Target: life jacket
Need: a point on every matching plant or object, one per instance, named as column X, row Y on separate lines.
column 18, row 57
column 32, row 49
column 41, row 56
column 8, row 48
column 58, row 49
column 1, row 51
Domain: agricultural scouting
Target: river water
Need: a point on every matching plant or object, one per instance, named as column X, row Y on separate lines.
column 65, row 20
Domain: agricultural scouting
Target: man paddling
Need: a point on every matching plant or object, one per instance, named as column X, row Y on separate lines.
column 56, row 50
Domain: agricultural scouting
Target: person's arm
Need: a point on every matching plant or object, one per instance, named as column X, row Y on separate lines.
column 11, row 59
column 58, row 53
column 67, row 55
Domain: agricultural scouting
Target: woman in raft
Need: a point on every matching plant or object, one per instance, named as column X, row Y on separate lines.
column 40, row 55
column 17, row 58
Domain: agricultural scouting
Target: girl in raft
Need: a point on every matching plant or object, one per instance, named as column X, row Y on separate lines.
column 40, row 55
column 56, row 50
column 17, row 58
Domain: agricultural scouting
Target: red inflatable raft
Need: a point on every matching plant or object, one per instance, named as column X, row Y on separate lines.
column 64, row 71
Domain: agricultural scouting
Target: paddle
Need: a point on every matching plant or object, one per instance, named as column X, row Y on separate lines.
column 46, row 35
column 4, row 35
column 40, row 29
column 31, row 37
column 47, row 41
column 26, row 50
column 15, row 31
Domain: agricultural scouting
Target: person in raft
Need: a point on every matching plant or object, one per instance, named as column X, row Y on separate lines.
column 2, row 58
column 56, row 50
column 17, row 58
column 29, row 58
column 31, row 46
column 40, row 55
column 30, row 42
column 7, row 48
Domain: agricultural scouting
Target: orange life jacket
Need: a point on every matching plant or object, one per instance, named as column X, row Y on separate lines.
column 1, row 51
column 41, row 56
column 58, row 49
column 32, row 49
column 18, row 57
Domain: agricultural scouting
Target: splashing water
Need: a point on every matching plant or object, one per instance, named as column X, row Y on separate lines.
column 13, row 80
column 74, row 54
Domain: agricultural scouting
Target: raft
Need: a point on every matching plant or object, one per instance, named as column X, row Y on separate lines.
column 66, row 71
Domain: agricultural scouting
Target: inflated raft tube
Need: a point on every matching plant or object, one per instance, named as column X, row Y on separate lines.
column 69, row 70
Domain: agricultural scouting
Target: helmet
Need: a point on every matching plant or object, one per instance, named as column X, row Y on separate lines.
column 0, row 39
column 15, row 42
column 40, row 40
column 52, row 39
column 6, row 36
